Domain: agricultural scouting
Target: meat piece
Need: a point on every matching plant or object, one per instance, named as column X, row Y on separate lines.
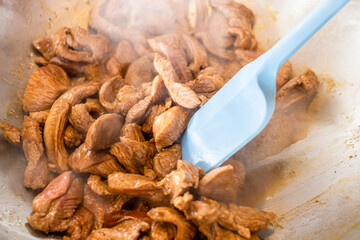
column 72, row 137
column 137, row 113
column 77, row 45
column 180, row 180
column 132, row 154
column 43, row 88
column 162, row 231
column 158, row 90
column 126, row 98
column 101, row 163
column 196, row 53
column 245, row 57
column 95, row 72
column 132, row 131
column 56, row 121
column 99, row 187
column 136, row 186
column 70, row 67
column 243, row 220
column 169, row 126
column 215, row 232
column 81, row 224
column 96, row 205
column 126, row 230
column 94, row 107
column 125, row 54
column 165, row 161
column 172, row 46
column 185, row 230
column 180, row 93
column 284, row 75
column 55, row 189
column 219, row 184
column 149, row 122
column 226, row 69
column 44, row 46
column 140, row 71
column 40, row 117
column 57, row 218
column 11, row 134
column 80, row 118
column 244, row 39
column 104, row 132
column 292, row 101
column 37, row 174
column 124, row 215
column 207, row 81
column 113, row 67
column 107, row 93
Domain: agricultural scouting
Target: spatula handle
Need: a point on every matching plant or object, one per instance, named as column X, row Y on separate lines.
column 289, row 44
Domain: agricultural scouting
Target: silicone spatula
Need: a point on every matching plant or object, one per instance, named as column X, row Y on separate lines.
column 244, row 106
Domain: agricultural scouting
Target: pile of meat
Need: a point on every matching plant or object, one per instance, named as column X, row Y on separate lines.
column 104, row 145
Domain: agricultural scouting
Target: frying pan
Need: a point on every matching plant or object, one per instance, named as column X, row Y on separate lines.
column 312, row 185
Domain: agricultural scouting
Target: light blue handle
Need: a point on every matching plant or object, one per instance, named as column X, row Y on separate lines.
column 303, row 31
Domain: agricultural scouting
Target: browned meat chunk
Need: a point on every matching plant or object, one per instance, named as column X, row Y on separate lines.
column 11, row 134
column 292, row 101
column 104, row 132
column 172, row 46
column 185, row 230
column 43, row 45
column 125, row 54
column 156, row 110
column 96, row 204
column 137, row 113
column 40, row 117
column 95, row 72
column 220, row 183
column 99, row 187
column 113, row 67
column 132, row 154
column 180, row 93
column 72, row 137
column 80, row 118
column 132, row 131
column 108, row 91
column 78, row 45
column 169, row 126
column 81, row 224
column 126, row 230
column 126, row 98
column 180, row 180
column 140, row 71
column 43, row 88
column 165, row 161
column 101, row 163
column 37, row 174
column 215, row 232
column 284, row 75
column 58, row 216
column 56, row 122
column 207, row 81
column 162, row 231
column 196, row 53
column 72, row 68
column 136, row 186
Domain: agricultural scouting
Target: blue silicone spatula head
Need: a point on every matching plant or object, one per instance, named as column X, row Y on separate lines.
column 243, row 107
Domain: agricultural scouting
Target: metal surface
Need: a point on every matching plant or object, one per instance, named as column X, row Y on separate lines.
column 316, row 180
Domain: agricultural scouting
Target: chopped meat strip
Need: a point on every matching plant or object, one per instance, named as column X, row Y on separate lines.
column 132, row 154
column 43, row 45
column 11, row 134
column 58, row 217
column 179, row 92
column 137, row 113
column 37, row 174
column 126, row 230
column 223, row 183
column 98, row 186
column 180, row 180
column 72, row 137
column 122, row 215
column 156, row 110
column 44, row 86
column 104, row 131
column 132, row 131
column 165, row 161
column 215, row 232
column 162, row 231
column 127, row 97
column 40, row 116
column 125, row 54
column 101, row 163
column 81, row 224
column 108, row 91
column 140, row 71
column 284, row 75
column 184, row 229
column 80, row 118
column 135, row 185
column 207, row 81
column 196, row 54
column 169, row 126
